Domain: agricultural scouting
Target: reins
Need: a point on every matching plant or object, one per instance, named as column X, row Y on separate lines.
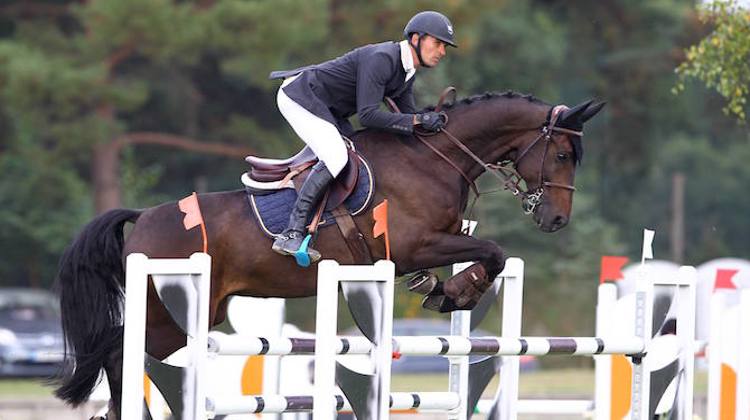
column 505, row 173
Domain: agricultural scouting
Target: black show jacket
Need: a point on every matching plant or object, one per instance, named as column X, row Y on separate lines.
column 356, row 83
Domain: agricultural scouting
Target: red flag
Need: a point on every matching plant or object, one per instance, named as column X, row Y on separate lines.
column 612, row 268
column 193, row 217
column 724, row 279
column 380, row 215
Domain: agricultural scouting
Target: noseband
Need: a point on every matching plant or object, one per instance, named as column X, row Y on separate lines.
column 505, row 171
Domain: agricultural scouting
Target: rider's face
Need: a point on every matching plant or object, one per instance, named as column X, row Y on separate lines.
column 433, row 49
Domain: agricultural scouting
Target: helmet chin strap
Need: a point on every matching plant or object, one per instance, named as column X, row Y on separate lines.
column 418, row 48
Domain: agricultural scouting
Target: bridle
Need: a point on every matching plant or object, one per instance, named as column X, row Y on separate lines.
column 506, row 171
column 512, row 179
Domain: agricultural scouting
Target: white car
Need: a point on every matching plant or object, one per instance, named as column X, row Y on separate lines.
column 31, row 341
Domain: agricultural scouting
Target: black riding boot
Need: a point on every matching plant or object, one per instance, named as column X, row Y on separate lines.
column 312, row 190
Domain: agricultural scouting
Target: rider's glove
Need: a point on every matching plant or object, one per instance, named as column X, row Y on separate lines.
column 432, row 121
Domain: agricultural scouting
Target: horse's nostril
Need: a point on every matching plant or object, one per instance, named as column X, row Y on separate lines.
column 560, row 221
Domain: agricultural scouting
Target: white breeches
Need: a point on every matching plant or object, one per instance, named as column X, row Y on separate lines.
column 320, row 135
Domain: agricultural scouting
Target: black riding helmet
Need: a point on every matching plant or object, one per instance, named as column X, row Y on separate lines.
column 429, row 23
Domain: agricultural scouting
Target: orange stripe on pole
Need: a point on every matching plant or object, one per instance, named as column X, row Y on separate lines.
column 728, row 399
column 147, row 389
column 621, row 386
column 252, row 376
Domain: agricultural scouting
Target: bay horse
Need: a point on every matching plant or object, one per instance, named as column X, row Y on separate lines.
column 427, row 193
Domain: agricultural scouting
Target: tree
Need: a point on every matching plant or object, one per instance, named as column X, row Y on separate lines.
column 81, row 82
column 114, row 62
column 721, row 60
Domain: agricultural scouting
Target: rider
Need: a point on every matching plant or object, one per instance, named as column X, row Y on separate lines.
column 317, row 101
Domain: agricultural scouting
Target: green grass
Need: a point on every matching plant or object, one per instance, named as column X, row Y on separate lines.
column 541, row 383
column 559, row 382
column 27, row 388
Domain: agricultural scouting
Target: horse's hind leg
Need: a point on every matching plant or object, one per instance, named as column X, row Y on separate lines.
column 113, row 368
column 163, row 337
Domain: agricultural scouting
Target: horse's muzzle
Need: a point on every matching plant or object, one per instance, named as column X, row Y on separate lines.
column 550, row 223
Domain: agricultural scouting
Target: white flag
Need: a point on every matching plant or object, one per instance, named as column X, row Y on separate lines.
column 648, row 238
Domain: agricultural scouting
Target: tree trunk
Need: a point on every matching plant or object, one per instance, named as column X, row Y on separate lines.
column 105, row 167
column 105, row 172
column 677, row 234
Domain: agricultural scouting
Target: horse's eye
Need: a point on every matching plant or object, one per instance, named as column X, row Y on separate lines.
column 562, row 157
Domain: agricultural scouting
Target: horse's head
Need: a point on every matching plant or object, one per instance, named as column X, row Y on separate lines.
column 547, row 162
column 510, row 129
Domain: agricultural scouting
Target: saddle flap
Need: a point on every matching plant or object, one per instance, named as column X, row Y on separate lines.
column 345, row 182
column 271, row 208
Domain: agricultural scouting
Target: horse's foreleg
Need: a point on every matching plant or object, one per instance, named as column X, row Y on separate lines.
column 463, row 290
column 441, row 249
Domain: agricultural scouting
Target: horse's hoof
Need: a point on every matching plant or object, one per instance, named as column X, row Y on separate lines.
column 433, row 302
column 442, row 304
column 423, row 282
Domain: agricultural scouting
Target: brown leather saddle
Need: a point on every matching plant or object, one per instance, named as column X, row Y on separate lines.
column 267, row 176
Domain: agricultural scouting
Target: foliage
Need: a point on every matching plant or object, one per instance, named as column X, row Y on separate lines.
column 722, row 59
column 74, row 75
column 42, row 203
column 107, row 67
column 716, row 202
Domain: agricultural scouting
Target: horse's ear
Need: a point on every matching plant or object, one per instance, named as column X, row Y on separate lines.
column 591, row 111
column 571, row 118
column 572, row 113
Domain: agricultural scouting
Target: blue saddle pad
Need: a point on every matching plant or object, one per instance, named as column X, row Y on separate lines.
column 272, row 211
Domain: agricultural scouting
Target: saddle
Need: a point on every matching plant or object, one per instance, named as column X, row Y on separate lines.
column 272, row 185
column 270, row 175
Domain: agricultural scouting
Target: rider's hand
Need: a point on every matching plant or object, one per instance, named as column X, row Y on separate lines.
column 432, row 121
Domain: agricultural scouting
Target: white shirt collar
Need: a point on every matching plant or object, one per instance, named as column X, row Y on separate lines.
column 407, row 60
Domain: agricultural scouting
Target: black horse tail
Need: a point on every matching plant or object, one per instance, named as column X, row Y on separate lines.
column 90, row 281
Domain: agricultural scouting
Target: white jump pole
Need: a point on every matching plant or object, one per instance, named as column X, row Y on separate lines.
column 685, row 313
column 728, row 358
column 716, row 311
column 458, row 368
column 743, row 368
column 606, row 301
column 195, row 271
column 330, row 273
column 512, row 316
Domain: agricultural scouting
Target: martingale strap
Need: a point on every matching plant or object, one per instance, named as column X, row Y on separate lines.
column 450, row 89
column 472, row 184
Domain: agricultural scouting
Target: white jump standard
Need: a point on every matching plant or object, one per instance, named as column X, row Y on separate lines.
column 368, row 395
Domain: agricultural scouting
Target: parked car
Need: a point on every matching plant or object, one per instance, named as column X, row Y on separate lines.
column 31, row 341
column 431, row 364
